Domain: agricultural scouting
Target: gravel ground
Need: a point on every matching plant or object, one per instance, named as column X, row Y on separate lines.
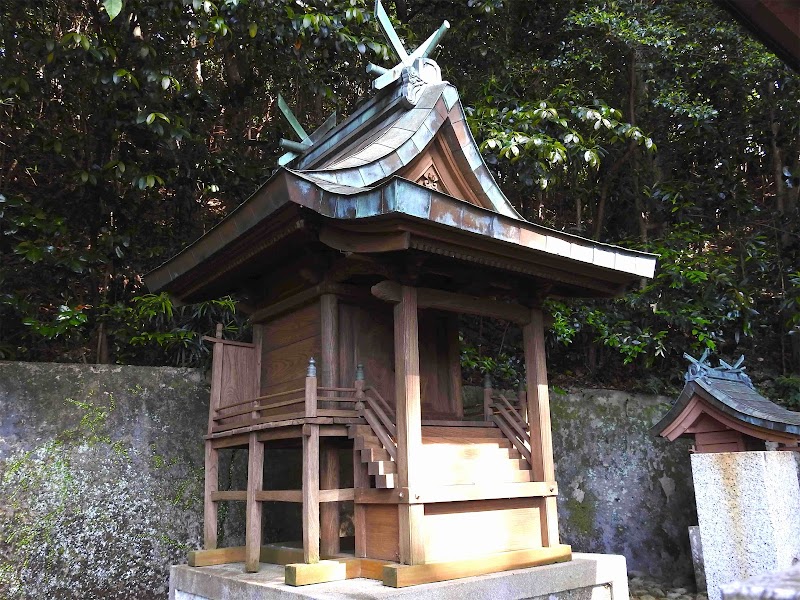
column 643, row 588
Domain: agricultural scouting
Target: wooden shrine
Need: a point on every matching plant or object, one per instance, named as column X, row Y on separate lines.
column 721, row 410
column 354, row 261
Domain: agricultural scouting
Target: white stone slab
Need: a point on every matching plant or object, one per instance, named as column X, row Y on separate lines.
column 586, row 577
column 748, row 509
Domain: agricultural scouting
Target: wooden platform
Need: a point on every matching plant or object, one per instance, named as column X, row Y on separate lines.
column 586, row 577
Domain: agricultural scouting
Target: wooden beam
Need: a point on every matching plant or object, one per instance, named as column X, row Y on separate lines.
column 209, row 504
column 231, row 441
column 277, row 554
column 405, row 575
column 230, row 495
column 311, row 494
column 542, row 465
column 280, row 496
column 350, row 241
column 339, row 495
column 320, row 572
column 390, row 291
column 409, row 422
column 301, row 298
column 255, row 481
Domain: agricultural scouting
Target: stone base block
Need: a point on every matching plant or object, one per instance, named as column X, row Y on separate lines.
column 748, row 509
column 780, row 585
column 586, row 577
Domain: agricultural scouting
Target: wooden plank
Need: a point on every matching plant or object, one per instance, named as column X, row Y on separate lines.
column 255, row 481
column 391, row 291
column 382, row 529
column 332, row 496
column 209, row 504
column 409, row 426
column 311, row 494
column 229, row 495
column 460, row 493
column 542, row 465
column 279, row 422
column 238, row 375
column 218, row 556
column 231, row 441
column 219, row 340
column 332, row 412
column 280, row 496
column 320, row 572
column 288, row 363
column 329, row 523
column 284, row 433
column 460, row 530
column 300, row 324
column 406, row 575
column 289, row 304
column 488, row 429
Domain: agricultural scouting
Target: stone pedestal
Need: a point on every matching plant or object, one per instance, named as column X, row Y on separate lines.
column 586, row 577
column 782, row 585
column 748, row 509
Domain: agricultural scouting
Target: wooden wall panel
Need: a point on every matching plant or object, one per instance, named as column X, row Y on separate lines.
column 366, row 335
column 435, row 368
column 238, row 374
column 288, row 342
column 458, row 530
column 382, row 531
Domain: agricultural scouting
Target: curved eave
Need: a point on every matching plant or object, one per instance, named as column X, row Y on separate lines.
column 722, row 403
column 383, row 150
column 403, row 199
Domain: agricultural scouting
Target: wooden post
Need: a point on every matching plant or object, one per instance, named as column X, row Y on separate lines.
column 209, row 506
column 329, row 511
column 454, row 361
column 311, row 389
column 360, row 476
column 487, row 398
column 329, row 459
column 255, row 482
column 409, row 424
column 539, row 421
column 311, row 493
column 211, row 454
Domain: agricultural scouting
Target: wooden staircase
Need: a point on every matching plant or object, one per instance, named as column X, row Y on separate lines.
column 451, row 455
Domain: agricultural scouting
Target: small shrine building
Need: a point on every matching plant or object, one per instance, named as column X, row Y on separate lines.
column 722, row 411
column 354, row 261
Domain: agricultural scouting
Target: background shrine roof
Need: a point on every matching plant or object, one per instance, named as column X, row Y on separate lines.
column 730, row 390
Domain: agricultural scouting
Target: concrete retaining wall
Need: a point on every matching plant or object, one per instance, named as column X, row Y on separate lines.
column 101, row 471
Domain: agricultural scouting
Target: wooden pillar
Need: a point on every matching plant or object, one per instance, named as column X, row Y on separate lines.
column 539, row 421
column 360, row 478
column 255, row 482
column 310, row 493
column 487, row 397
column 209, row 506
column 409, row 424
column 211, row 454
column 454, row 362
column 329, row 459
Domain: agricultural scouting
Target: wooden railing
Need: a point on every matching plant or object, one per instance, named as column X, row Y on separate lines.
column 509, row 420
column 377, row 413
column 309, row 401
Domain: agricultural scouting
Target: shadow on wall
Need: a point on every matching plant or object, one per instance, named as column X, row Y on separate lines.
column 101, row 471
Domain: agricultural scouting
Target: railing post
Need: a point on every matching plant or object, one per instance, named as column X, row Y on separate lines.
column 311, row 389
column 522, row 397
column 487, row 398
column 359, row 385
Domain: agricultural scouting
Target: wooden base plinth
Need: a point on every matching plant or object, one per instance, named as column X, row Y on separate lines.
column 405, row 575
column 394, row 575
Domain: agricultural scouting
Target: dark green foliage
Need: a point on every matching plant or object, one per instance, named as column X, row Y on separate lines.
column 661, row 126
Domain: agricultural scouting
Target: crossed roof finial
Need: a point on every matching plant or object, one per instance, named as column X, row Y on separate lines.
column 418, row 60
column 306, row 141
